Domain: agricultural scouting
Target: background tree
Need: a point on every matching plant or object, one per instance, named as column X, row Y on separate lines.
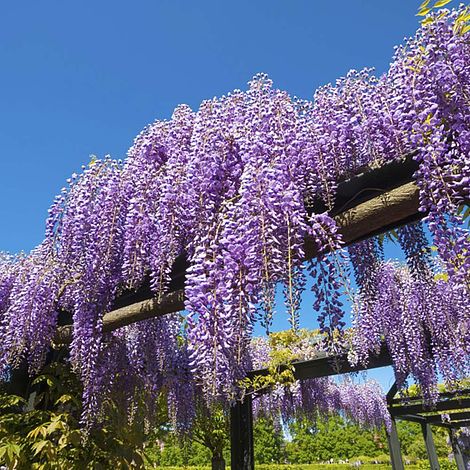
column 333, row 438
column 268, row 441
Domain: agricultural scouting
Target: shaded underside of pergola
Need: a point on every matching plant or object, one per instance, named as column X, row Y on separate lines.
column 451, row 411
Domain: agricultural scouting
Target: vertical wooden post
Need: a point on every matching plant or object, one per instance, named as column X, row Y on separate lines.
column 392, row 435
column 241, row 435
column 394, row 447
column 430, row 447
column 19, row 381
column 456, row 449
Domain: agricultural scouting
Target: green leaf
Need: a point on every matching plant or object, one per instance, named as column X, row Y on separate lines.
column 93, row 159
column 54, row 426
column 34, row 434
column 466, row 212
column 423, row 12
column 39, row 446
column 50, row 381
column 465, row 29
column 427, row 20
column 441, row 277
column 8, row 401
column 64, row 399
column 441, row 3
column 424, row 4
column 11, row 451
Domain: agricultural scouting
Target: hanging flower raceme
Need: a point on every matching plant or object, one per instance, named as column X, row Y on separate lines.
column 8, row 272
column 88, row 235
column 226, row 187
column 432, row 71
column 329, row 272
column 363, row 403
column 423, row 324
column 253, row 233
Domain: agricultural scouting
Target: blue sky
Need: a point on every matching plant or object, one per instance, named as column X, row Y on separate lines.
column 81, row 78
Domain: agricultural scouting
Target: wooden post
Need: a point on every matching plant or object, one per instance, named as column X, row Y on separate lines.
column 394, row 447
column 456, row 449
column 430, row 447
column 241, row 435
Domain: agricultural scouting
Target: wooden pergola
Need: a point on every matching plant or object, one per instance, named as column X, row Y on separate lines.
column 366, row 205
column 241, row 416
column 456, row 405
column 409, row 409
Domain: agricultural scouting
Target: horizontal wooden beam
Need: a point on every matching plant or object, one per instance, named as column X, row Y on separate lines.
column 144, row 310
column 413, row 418
column 386, row 211
column 325, row 365
column 380, row 214
column 437, row 419
column 463, row 393
column 445, row 405
column 455, row 419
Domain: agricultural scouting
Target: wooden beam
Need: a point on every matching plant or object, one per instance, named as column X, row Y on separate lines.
column 394, row 447
column 390, row 209
column 430, row 446
column 325, row 365
column 445, row 405
column 458, row 456
column 151, row 308
column 241, row 435
column 419, row 399
column 453, row 417
column 377, row 215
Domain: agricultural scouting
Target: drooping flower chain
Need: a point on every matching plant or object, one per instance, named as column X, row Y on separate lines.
column 226, row 186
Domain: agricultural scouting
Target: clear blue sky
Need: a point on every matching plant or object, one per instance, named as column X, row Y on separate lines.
column 81, row 78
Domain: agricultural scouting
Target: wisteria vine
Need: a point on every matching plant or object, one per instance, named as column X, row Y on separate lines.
column 227, row 187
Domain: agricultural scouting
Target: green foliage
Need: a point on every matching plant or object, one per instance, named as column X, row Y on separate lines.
column 283, row 352
column 212, row 428
column 461, row 25
column 46, row 434
column 426, row 6
column 179, row 453
column 267, row 442
column 412, row 443
column 314, row 443
column 444, row 464
column 334, row 438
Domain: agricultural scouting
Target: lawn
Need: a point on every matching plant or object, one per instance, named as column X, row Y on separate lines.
column 305, row 467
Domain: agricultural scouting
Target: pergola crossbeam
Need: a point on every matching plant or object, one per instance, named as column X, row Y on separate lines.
column 384, row 212
column 445, row 405
column 326, row 365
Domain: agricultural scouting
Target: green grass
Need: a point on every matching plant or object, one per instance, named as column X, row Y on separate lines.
column 304, row 467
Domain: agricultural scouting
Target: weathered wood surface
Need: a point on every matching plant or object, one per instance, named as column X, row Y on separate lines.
column 384, row 212
column 151, row 308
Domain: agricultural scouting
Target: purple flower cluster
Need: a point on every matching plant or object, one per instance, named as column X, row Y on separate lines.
column 227, row 187
column 432, row 71
column 362, row 403
column 424, row 324
column 329, row 272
